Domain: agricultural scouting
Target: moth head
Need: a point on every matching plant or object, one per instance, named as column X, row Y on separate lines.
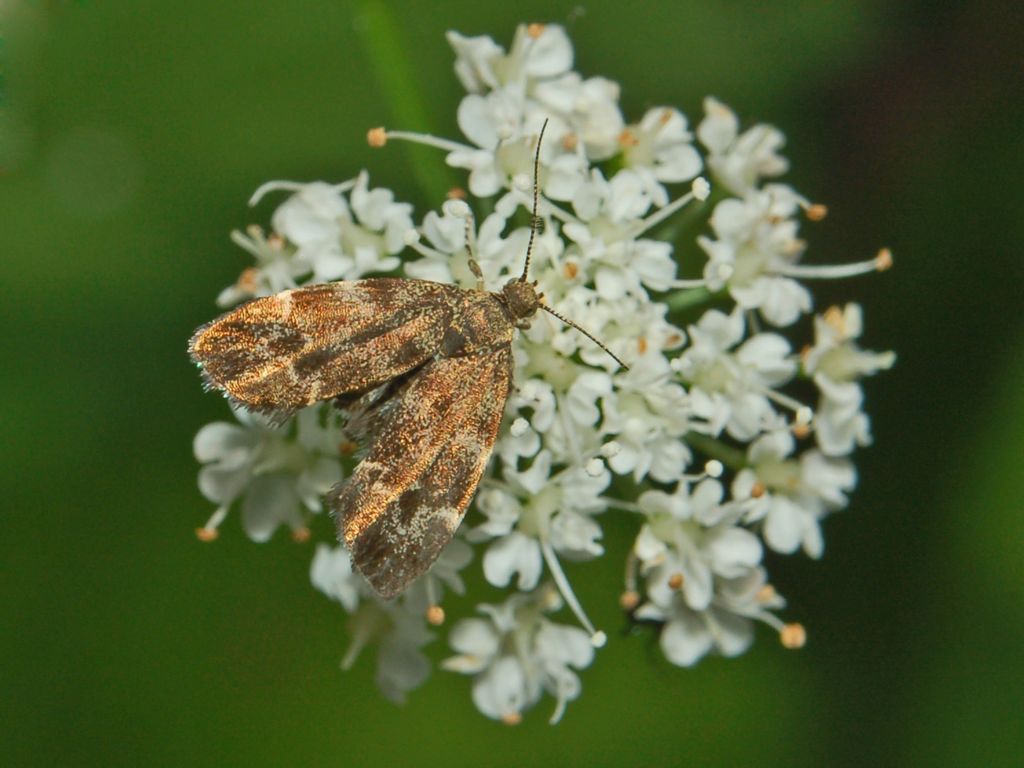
column 522, row 298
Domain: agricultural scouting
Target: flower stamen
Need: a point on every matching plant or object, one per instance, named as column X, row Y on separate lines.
column 209, row 531
column 382, row 136
column 511, row 718
column 882, row 261
column 793, row 636
column 815, row 211
column 435, row 615
column 597, row 637
column 697, row 192
column 294, row 186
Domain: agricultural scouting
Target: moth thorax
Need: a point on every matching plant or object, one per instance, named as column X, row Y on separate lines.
column 522, row 298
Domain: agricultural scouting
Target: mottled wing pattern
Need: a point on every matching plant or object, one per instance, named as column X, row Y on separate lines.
column 405, row 500
column 283, row 352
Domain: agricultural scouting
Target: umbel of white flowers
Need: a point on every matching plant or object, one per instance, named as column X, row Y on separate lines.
column 705, row 422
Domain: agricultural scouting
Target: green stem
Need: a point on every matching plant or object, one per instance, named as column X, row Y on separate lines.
column 401, row 90
column 733, row 458
column 691, row 297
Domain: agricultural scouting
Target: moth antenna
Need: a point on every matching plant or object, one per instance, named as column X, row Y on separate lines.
column 474, row 266
column 536, row 200
column 586, row 333
column 536, row 224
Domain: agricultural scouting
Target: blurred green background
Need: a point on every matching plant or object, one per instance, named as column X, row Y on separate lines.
column 132, row 134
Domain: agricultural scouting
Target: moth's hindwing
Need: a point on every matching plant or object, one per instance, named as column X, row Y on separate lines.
column 405, row 500
column 283, row 352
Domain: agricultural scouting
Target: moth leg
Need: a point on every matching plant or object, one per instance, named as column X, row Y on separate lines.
column 474, row 267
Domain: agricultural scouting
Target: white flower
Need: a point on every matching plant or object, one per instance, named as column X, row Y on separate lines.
column 633, row 327
column 585, row 394
column 428, row 590
column 790, row 495
column 397, row 628
column 690, row 542
column 605, row 239
column 521, row 441
column 534, row 511
column 504, row 130
column 755, row 247
column 397, row 633
column 445, row 238
column 647, row 415
column 590, row 107
column 401, row 665
column 537, row 51
column 835, row 355
column 500, row 256
column 837, row 363
column 729, row 389
column 399, row 636
column 276, row 268
column 277, row 471
column 533, row 79
column 476, row 59
column 688, row 635
column 511, row 94
column 320, row 235
column 331, row 572
column 739, row 161
column 339, row 238
column 660, row 149
column 611, row 204
column 517, row 653
column 514, row 553
column 311, row 219
column 839, row 422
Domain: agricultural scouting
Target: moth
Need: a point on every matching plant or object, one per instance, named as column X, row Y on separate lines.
column 423, row 369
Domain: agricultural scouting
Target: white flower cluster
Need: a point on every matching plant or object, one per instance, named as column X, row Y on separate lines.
column 703, row 439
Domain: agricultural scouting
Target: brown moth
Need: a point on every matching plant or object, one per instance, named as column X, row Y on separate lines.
column 424, row 370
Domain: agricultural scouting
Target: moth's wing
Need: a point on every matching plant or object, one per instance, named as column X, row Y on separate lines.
column 365, row 412
column 405, row 500
column 283, row 352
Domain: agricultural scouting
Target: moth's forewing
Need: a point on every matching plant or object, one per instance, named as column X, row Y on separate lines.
column 406, row 499
column 283, row 352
